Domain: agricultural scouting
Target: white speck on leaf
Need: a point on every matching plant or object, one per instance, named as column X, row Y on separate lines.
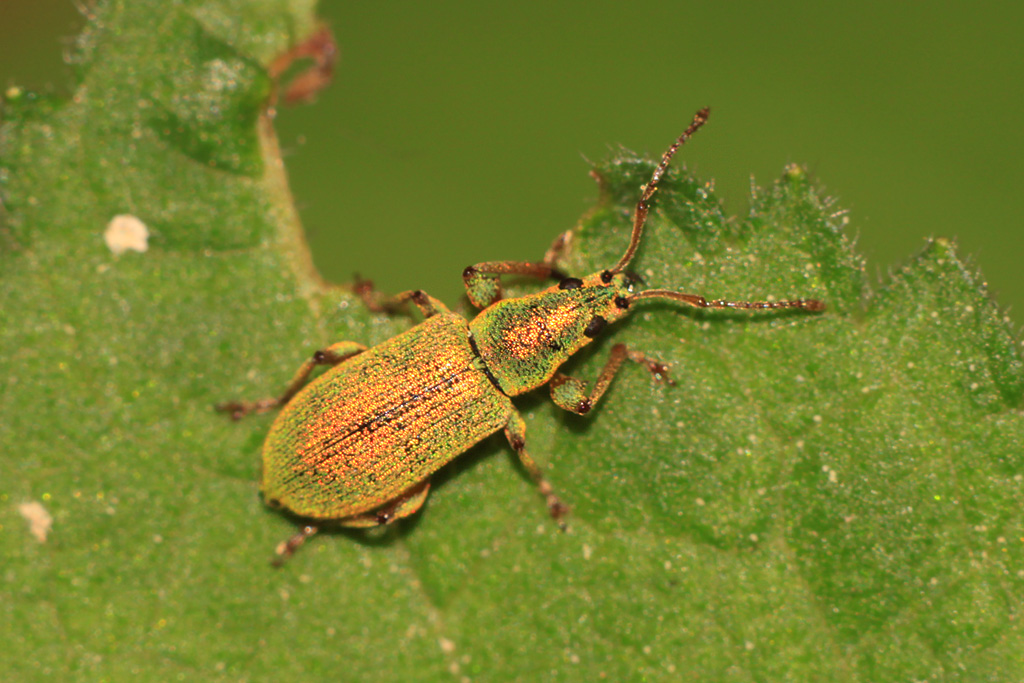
column 39, row 520
column 125, row 232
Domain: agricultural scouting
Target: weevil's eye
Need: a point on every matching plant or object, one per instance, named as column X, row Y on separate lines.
column 594, row 327
column 606, row 276
column 570, row 283
column 622, row 302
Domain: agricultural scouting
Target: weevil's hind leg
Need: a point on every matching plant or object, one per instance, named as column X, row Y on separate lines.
column 332, row 355
column 515, row 432
column 404, row 505
column 287, row 548
column 571, row 394
column 380, row 303
column 483, row 286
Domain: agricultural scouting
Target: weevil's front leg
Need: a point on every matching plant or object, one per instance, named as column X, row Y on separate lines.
column 379, row 303
column 332, row 355
column 515, row 432
column 570, row 393
column 483, row 286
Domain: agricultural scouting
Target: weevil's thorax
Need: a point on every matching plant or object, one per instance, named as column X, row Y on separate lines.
column 523, row 341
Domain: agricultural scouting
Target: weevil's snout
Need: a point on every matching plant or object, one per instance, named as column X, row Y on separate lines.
column 621, row 282
column 610, row 295
column 632, row 278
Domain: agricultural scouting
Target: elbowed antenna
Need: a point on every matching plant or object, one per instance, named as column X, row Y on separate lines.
column 700, row 302
column 640, row 214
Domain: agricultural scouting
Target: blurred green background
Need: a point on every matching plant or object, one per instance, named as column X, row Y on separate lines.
column 455, row 132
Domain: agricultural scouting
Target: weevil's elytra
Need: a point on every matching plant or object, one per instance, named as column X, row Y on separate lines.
column 357, row 445
column 351, row 450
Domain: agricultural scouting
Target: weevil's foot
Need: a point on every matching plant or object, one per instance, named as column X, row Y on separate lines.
column 658, row 369
column 374, row 301
column 238, row 409
column 286, row 549
column 556, row 250
column 660, row 372
column 558, row 511
column 233, row 408
column 322, row 51
column 363, row 287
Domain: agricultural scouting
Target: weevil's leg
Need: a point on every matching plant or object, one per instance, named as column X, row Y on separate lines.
column 483, row 286
column 323, row 51
column 557, row 247
column 570, row 393
column 515, row 432
column 286, row 549
column 332, row 355
column 379, row 303
column 403, row 506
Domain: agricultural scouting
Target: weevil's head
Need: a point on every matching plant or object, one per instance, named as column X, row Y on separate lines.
column 523, row 341
column 596, row 300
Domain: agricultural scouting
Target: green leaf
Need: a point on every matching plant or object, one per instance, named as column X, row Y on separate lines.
column 819, row 496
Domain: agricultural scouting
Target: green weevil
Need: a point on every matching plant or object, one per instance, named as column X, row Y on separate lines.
column 357, row 445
